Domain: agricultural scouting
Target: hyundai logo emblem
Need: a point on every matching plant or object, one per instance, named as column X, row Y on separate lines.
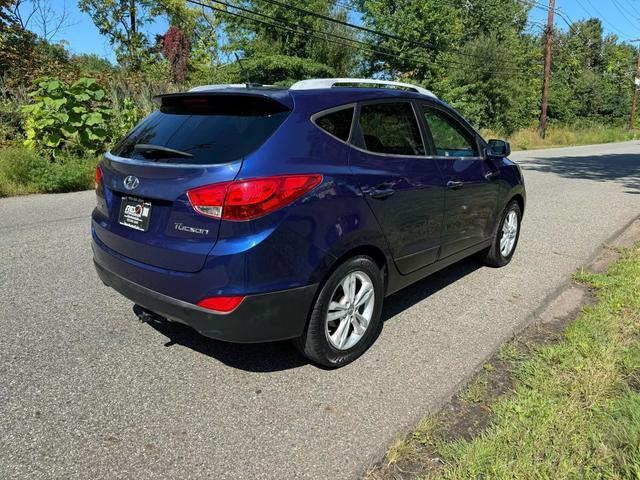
column 131, row 182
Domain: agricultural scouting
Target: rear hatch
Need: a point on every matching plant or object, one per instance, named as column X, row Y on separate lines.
column 194, row 139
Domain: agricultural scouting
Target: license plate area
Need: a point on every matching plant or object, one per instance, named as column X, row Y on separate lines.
column 135, row 213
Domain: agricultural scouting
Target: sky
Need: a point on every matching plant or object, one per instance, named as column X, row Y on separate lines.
column 621, row 17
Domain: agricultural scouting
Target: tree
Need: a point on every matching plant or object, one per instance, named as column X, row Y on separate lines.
column 175, row 48
column 121, row 21
column 5, row 12
column 487, row 91
column 430, row 26
column 40, row 17
column 23, row 55
column 296, row 35
column 590, row 74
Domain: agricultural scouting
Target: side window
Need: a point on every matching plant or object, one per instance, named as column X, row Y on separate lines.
column 337, row 123
column 450, row 139
column 390, row 128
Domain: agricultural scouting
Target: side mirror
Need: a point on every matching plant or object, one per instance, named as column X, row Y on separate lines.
column 499, row 148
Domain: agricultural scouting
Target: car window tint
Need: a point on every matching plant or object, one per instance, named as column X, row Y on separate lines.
column 337, row 123
column 216, row 130
column 450, row 140
column 390, row 128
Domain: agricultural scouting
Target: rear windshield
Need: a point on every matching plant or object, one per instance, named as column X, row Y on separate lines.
column 207, row 130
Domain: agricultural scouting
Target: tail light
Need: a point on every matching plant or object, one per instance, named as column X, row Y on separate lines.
column 98, row 176
column 249, row 199
column 221, row 304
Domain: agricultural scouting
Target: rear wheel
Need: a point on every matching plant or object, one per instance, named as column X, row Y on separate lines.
column 506, row 237
column 345, row 319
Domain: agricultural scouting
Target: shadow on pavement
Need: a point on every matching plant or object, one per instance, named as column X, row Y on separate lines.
column 407, row 297
column 278, row 356
column 621, row 168
column 257, row 357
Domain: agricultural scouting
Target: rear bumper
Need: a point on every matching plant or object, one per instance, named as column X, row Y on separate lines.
column 259, row 318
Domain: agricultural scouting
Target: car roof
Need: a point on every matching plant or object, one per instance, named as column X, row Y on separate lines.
column 319, row 86
column 323, row 94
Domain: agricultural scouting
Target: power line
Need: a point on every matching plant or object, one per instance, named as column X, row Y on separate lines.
column 599, row 15
column 629, row 10
column 365, row 29
column 558, row 10
column 283, row 24
column 632, row 6
column 307, row 34
column 287, row 26
column 624, row 15
column 535, row 4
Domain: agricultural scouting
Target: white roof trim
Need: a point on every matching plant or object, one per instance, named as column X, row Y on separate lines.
column 320, row 83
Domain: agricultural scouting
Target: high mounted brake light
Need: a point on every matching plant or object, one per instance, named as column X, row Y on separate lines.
column 248, row 199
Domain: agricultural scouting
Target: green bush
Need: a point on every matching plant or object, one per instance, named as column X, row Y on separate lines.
column 24, row 171
column 66, row 174
column 12, row 99
column 75, row 118
column 127, row 115
column 21, row 166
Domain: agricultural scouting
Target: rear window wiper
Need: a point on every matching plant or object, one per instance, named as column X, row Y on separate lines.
column 157, row 151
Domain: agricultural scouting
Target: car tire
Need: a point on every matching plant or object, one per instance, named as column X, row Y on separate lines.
column 341, row 326
column 505, row 238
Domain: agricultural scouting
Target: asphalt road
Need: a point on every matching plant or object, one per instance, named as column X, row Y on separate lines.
column 87, row 392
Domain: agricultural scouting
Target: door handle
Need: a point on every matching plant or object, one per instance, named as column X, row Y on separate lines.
column 454, row 184
column 382, row 193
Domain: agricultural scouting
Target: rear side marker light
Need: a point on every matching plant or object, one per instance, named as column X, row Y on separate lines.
column 248, row 199
column 221, row 304
column 98, row 176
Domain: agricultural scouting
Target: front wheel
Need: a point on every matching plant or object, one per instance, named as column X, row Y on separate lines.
column 506, row 237
column 345, row 320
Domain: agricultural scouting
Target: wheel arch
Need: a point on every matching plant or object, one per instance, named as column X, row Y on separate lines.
column 518, row 198
column 375, row 252
column 518, row 194
column 372, row 251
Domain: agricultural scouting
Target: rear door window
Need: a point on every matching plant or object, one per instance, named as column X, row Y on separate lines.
column 390, row 128
column 207, row 130
column 337, row 123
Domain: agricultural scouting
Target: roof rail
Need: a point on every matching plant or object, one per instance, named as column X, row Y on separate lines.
column 221, row 86
column 319, row 83
column 225, row 86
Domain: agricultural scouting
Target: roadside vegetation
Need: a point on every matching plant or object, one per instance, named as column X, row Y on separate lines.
column 566, row 136
column 484, row 58
column 24, row 171
column 545, row 409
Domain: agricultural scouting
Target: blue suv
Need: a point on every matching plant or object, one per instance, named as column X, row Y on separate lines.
column 257, row 214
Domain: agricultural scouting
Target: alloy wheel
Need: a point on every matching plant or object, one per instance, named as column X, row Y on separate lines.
column 350, row 310
column 509, row 233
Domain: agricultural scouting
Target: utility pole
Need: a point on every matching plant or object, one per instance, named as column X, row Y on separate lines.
column 547, row 70
column 636, row 87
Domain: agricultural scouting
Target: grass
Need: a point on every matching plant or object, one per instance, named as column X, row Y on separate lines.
column 474, row 392
column 566, row 136
column 574, row 407
column 23, row 171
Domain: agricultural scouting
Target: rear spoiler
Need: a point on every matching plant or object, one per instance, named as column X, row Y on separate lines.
column 229, row 101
